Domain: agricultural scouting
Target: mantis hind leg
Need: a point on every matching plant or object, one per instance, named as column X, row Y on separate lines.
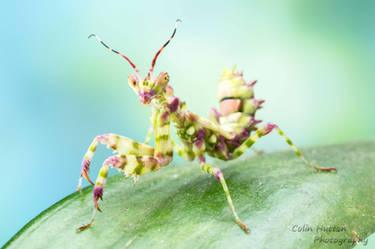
column 264, row 130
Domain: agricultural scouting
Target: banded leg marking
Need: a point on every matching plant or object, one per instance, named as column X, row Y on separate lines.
column 184, row 151
column 163, row 142
column 135, row 158
column 130, row 164
column 299, row 154
column 220, row 177
column 153, row 120
column 205, row 123
column 120, row 144
column 86, row 163
column 149, row 134
column 264, row 130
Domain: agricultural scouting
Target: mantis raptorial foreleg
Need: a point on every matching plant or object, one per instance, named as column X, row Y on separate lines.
column 134, row 158
column 120, row 144
column 130, row 165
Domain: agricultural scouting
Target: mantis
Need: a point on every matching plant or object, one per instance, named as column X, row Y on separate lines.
column 230, row 132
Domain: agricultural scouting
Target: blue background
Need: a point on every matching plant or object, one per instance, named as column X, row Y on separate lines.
column 314, row 61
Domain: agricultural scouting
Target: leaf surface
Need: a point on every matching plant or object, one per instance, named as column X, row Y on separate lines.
column 181, row 207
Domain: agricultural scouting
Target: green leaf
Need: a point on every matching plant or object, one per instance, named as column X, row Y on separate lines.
column 181, row 207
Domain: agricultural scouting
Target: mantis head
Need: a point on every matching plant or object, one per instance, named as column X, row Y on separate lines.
column 149, row 87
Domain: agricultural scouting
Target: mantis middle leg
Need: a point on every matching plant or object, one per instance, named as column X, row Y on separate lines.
column 220, row 177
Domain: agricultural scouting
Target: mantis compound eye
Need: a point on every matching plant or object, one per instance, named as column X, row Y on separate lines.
column 161, row 81
column 163, row 78
column 166, row 77
column 132, row 81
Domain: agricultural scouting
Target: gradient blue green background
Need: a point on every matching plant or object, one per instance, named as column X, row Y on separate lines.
column 314, row 61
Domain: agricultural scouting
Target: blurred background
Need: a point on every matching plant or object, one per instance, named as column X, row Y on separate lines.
column 314, row 61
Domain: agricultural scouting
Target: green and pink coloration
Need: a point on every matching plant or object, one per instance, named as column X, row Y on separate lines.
column 232, row 131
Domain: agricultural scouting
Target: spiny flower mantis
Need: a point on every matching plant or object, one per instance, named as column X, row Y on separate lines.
column 231, row 132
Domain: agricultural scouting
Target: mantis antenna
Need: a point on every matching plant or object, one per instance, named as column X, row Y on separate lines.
column 157, row 54
column 116, row 52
